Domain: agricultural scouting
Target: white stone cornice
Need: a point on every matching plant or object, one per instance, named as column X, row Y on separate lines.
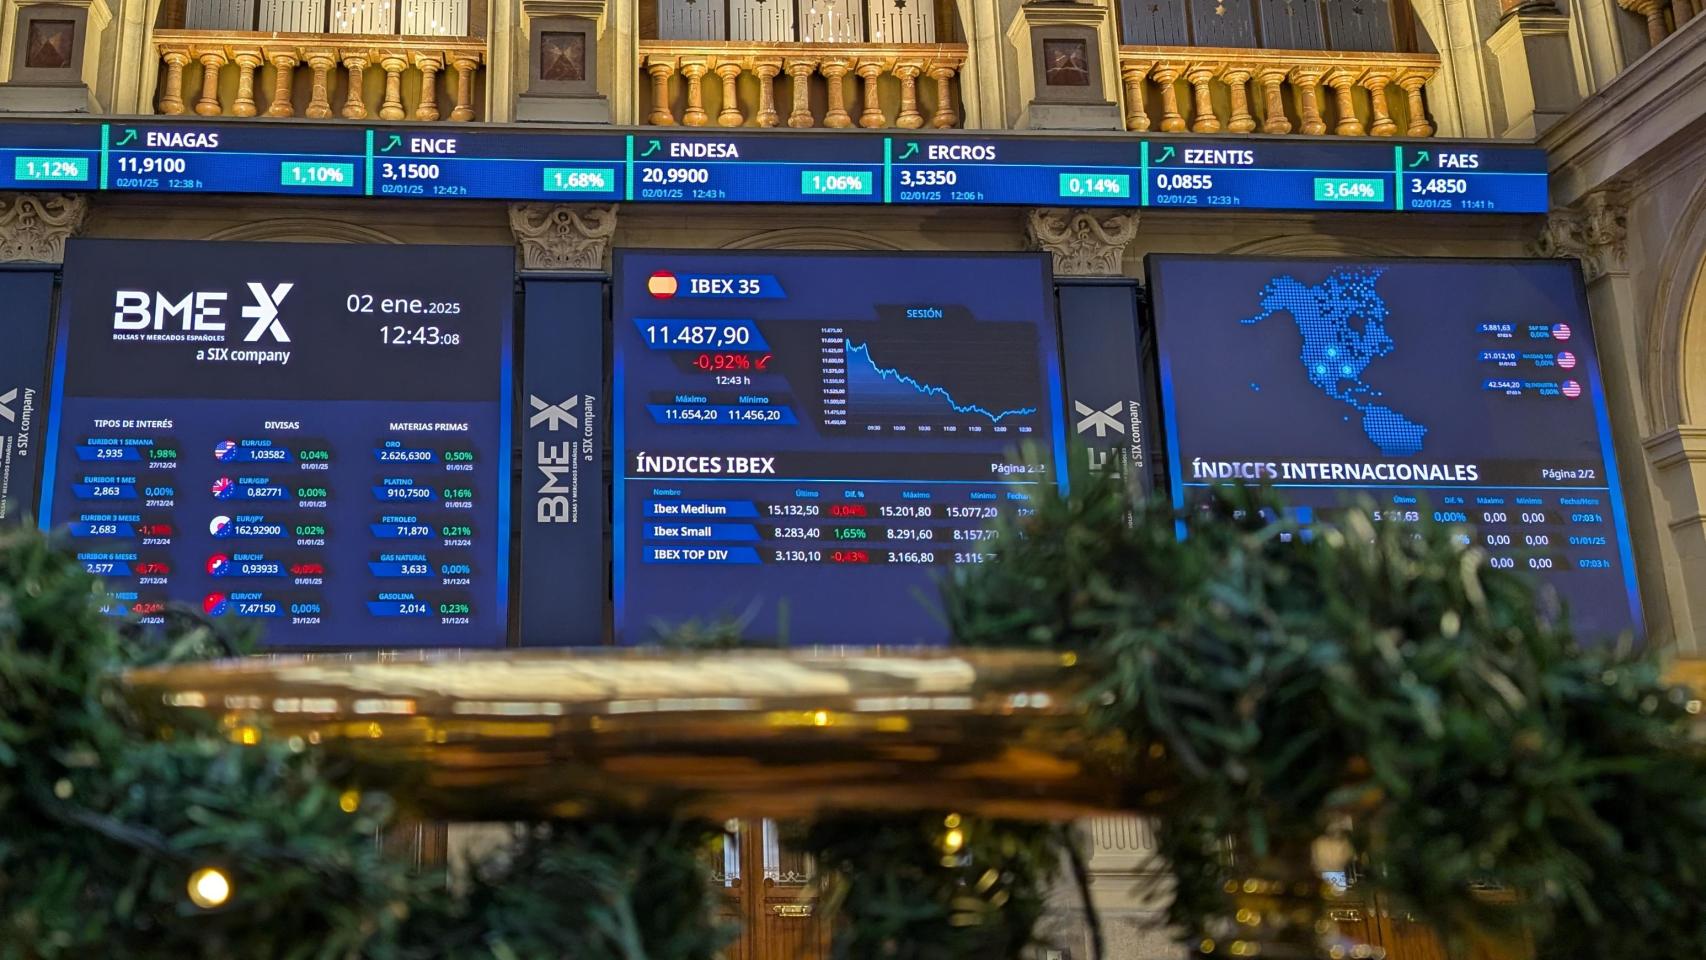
column 1632, row 120
column 35, row 226
column 1085, row 243
column 1676, row 446
column 1596, row 231
column 560, row 236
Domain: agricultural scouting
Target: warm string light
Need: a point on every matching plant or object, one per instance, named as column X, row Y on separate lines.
column 209, row 888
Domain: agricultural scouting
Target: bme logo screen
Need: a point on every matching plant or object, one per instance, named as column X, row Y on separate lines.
column 315, row 438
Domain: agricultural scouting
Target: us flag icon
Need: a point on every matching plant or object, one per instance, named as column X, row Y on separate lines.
column 1560, row 331
column 1572, row 389
column 1567, row 360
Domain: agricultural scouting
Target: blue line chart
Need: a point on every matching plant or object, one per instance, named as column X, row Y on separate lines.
column 895, row 388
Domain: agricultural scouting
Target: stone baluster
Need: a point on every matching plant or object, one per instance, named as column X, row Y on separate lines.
column 1237, row 80
column 1375, row 82
column 1414, row 105
column 767, row 68
column 945, row 116
column 1203, row 119
column 909, row 118
column 730, row 115
column 319, row 98
column 355, row 107
column 1654, row 11
column 1133, row 74
column 248, row 61
column 800, row 71
column 1343, row 82
column 1680, row 12
column 208, row 103
column 172, row 98
column 1308, row 86
column 660, row 71
column 1274, row 119
column 1165, row 76
column 834, row 70
column 284, row 75
column 872, row 115
column 693, row 68
column 393, row 63
column 464, row 109
column 429, row 64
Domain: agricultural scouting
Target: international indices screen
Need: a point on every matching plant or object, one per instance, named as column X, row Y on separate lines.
column 1444, row 391
column 805, row 442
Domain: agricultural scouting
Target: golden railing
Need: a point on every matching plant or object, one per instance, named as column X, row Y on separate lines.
column 1664, row 17
column 1214, row 89
column 256, row 74
column 896, row 84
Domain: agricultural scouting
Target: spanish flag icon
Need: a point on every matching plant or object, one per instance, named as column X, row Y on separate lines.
column 662, row 284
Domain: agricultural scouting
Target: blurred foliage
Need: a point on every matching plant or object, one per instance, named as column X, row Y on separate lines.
column 1373, row 681
column 103, row 819
column 934, row 886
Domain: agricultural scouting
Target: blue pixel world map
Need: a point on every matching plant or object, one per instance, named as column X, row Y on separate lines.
column 1457, row 392
column 1335, row 352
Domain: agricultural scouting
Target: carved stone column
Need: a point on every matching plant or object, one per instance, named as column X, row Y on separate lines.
column 35, row 226
column 1596, row 231
column 560, row 236
column 1085, row 243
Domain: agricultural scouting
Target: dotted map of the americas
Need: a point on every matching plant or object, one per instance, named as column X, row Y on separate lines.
column 1336, row 352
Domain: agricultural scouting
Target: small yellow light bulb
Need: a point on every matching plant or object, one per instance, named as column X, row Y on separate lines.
column 349, row 801
column 209, row 888
column 953, row 840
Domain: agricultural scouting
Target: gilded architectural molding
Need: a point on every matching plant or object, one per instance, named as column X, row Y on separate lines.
column 1085, row 243
column 35, row 226
column 558, row 236
column 1596, row 230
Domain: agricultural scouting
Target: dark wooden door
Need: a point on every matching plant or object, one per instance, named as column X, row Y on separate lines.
column 768, row 889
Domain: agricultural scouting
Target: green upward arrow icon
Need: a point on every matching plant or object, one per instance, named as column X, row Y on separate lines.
column 911, row 148
column 129, row 135
column 652, row 148
column 1168, row 152
column 1421, row 158
column 392, row 144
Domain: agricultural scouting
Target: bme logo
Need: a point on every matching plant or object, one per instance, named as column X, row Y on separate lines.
column 200, row 311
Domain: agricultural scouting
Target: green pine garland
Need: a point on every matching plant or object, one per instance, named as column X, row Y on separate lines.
column 103, row 821
column 1377, row 683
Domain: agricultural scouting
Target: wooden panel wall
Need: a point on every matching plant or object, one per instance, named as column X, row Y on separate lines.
column 692, row 20
column 1360, row 25
column 220, row 15
column 435, row 18
column 902, row 21
column 293, row 16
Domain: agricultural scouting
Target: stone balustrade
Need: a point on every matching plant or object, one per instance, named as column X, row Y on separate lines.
column 1238, row 90
column 1664, row 17
column 899, row 85
column 256, row 74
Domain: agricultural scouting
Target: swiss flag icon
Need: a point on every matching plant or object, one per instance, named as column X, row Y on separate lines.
column 662, row 285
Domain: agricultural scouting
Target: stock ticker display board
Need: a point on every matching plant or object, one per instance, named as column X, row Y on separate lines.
column 315, row 438
column 1443, row 391
column 805, row 442
column 650, row 165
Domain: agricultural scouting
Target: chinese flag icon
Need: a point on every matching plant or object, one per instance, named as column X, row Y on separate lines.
column 662, row 284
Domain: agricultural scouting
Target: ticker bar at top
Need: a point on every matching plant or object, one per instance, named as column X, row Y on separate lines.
column 642, row 165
